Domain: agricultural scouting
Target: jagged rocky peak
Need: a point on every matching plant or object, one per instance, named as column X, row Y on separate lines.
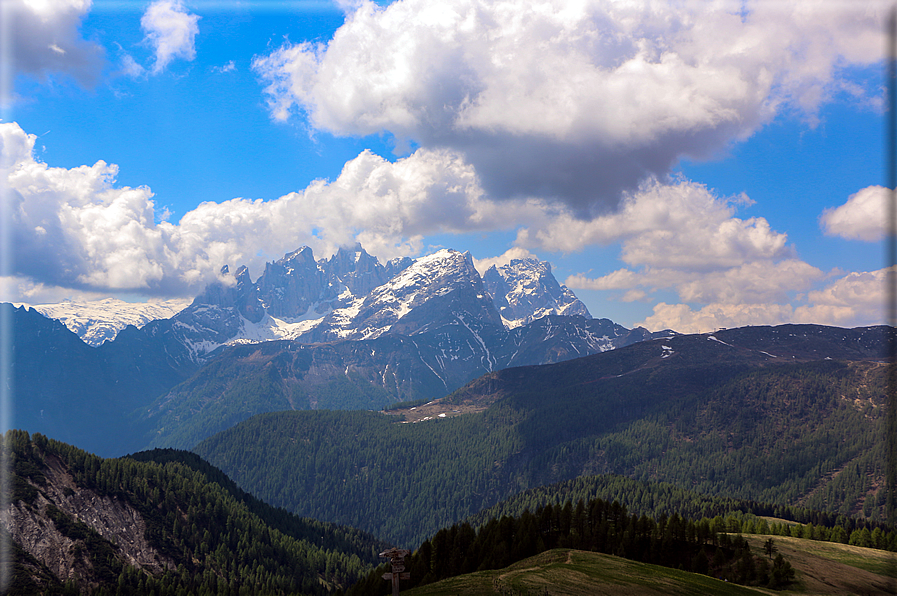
column 525, row 290
column 291, row 285
column 353, row 268
column 442, row 269
column 397, row 265
column 242, row 295
column 430, row 289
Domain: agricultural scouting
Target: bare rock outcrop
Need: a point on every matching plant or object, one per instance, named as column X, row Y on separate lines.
column 32, row 526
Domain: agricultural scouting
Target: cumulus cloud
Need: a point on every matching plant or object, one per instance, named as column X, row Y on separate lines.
column 516, row 252
column 681, row 237
column 571, row 101
column 749, row 283
column 862, row 217
column 681, row 225
column 853, row 300
column 44, row 39
column 21, row 290
column 76, row 233
column 171, row 32
column 857, row 298
column 681, row 317
column 74, row 228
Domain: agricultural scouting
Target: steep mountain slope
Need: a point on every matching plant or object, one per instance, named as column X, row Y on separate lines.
column 787, row 415
column 370, row 374
column 82, row 394
column 170, row 527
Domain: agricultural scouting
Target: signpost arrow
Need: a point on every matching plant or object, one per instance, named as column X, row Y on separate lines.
column 396, row 557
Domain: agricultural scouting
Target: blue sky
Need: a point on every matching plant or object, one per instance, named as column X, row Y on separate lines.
column 712, row 164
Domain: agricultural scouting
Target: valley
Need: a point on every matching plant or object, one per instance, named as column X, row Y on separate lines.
column 404, row 399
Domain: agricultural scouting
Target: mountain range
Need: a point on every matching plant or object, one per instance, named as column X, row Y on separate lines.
column 501, row 382
column 99, row 321
column 346, row 332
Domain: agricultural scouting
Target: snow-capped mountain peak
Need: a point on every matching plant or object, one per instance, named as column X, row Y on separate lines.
column 349, row 295
column 98, row 321
column 425, row 280
column 525, row 290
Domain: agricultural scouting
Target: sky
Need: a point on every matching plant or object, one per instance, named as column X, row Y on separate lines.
column 685, row 165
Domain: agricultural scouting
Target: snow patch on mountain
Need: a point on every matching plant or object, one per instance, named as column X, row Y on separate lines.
column 423, row 280
column 525, row 290
column 98, row 321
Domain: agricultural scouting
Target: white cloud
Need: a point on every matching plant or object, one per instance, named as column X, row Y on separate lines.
column 862, row 217
column 77, row 234
column 681, row 237
column 74, row 228
column 749, row 283
column 681, row 318
column 853, row 300
column 857, row 298
column 483, row 265
column 571, row 100
column 681, row 225
column 23, row 290
column 131, row 68
column 45, row 39
column 171, row 31
column 229, row 67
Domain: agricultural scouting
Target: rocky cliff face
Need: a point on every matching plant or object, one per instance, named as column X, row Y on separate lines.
column 57, row 518
column 525, row 290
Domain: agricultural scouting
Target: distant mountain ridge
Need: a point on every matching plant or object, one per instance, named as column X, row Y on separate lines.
column 351, row 295
column 98, row 321
column 346, row 332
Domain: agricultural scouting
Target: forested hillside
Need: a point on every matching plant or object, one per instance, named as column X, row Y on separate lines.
column 656, row 499
column 696, row 411
column 83, row 524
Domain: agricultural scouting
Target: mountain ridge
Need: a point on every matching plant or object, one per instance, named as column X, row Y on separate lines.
column 729, row 413
column 299, row 297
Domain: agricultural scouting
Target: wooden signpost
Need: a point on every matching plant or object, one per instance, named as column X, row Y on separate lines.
column 396, row 557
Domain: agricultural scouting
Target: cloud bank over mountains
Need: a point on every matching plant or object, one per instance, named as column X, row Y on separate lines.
column 560, row 122
column 75, row 228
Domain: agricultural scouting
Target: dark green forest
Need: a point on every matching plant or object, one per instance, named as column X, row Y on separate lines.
column 798, row 434
column 210, row 537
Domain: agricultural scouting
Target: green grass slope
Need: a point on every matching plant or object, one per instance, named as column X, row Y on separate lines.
column 563, row 572
column 822, row 569
column 825, row 568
